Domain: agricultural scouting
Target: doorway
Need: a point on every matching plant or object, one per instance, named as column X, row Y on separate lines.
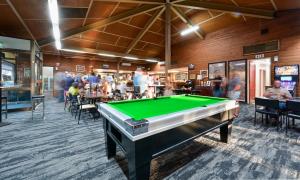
column 259, row 74
column 48, row 81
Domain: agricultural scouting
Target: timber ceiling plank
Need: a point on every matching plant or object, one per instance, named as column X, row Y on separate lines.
column 146, row 28
column 74, row 3
column 107, row 21
column 287, row 4
column 260, row 13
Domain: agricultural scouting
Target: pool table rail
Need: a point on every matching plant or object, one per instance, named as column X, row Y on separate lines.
column 136, row 130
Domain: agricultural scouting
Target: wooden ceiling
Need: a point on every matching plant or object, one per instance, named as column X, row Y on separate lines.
column 128, row 26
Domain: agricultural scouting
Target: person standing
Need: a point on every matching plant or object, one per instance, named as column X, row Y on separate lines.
column 234, row 90
column 218, row 89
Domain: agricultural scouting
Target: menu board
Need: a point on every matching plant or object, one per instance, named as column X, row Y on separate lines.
column 291, row 70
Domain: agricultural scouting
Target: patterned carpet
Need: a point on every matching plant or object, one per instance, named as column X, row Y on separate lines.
column 57, row 148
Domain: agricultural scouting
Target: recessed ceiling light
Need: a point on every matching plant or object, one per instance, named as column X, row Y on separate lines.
column 189, row 30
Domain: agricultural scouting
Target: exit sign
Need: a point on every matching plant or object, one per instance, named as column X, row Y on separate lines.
column 259, row 56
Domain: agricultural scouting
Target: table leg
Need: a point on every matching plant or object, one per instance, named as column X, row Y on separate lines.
column 138, row 164
column 110, row 147
column 109, row 142
column 225, row 132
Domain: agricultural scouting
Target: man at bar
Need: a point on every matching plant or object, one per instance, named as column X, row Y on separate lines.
column 277, row 92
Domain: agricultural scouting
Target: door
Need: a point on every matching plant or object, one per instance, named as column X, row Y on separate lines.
column 259, row 74
column 48, row 81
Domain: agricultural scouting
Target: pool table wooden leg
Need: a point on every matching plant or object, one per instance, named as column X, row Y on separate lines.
column 110, row 144
column 139, row 160
column 225, row 132
column 110, row 147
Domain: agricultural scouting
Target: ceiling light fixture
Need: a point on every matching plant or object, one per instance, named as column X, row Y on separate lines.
column 131, row 58
column 73, row 50
column 152, row 60
column 107, row 55
column 53, row 10
column 189, row 30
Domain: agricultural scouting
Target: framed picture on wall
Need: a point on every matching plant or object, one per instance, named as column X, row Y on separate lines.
column 204, row 73
column 237, row 72
column 80, row 68
column 192, row 76
column 216, row 70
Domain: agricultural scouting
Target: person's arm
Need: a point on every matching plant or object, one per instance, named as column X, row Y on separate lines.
column 267, row 93
column 286, row 95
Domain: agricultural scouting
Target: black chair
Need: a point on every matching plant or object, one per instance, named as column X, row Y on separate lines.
column 270, row 108
column 86, row 107
column 35, row 101
column 4, row 104
column 293, row 112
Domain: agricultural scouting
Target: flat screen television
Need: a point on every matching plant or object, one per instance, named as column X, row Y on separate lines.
column 289, row 70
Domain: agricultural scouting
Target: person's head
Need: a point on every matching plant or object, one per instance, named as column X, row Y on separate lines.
column 92, row 73
column 277, row 83
column 75, row 84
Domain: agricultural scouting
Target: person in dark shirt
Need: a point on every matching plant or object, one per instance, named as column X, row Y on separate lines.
column 218, row 89
column 93, row 79
column 68, row 81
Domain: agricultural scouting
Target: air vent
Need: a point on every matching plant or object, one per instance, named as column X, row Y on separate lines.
column 261, row 48
column 264, row 31
column 73, row 12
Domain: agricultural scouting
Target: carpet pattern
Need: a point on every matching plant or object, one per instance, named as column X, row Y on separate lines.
column 58, row 148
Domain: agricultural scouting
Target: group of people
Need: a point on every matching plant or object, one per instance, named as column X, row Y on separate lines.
column 68, row 84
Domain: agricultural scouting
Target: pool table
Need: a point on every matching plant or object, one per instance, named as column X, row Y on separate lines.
column 147, row 128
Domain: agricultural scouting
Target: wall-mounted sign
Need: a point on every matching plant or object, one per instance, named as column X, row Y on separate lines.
column 80, row 68
column 105, row 66
column 125, row 64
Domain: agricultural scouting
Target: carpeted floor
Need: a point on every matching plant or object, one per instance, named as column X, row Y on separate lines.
column 57, row 148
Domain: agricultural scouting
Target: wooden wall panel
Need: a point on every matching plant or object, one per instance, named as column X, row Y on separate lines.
column 227, row 44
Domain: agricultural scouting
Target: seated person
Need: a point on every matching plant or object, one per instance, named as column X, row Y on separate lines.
column 73, row 90
column 279, row 93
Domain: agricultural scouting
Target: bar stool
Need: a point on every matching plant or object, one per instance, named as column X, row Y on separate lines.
column 35, row 101
column 5, row 106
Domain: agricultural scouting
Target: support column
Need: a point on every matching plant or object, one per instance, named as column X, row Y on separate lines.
column 167, row 37
column 32, row 65
column 118, row 68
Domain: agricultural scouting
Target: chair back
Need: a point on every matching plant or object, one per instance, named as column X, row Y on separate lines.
column 293, row 106
column 267, row 103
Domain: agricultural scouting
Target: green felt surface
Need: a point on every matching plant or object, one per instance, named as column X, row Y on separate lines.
column 146, row 108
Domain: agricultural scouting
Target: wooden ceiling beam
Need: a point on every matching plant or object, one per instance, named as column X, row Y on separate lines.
column 146, row 28
column 204, row 21
column 110, row 20
column 153, row 2
column 204, row 5
column 87, row 12
column 274, row 5
column 236, row 4
column 22, row 21
column 186, row 20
